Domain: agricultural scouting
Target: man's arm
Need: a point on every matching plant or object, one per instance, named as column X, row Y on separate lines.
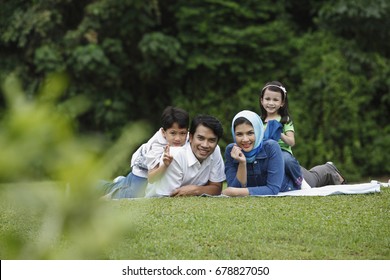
column 212, row 188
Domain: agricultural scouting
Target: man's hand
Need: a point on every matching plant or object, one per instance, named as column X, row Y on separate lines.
column 212, row 188
column 189, row 190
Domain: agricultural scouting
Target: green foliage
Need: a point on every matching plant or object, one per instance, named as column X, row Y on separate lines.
column 363, row 21
column 49, row 178
column 48, row 59
column 338, row 108
column 226, row 43
column 159, row 51
column 132, row 57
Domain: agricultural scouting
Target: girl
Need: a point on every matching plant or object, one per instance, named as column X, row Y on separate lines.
column 274, row 106
column 254, row 166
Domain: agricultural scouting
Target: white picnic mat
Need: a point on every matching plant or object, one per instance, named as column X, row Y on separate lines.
column 364, row 188
column 335, row 190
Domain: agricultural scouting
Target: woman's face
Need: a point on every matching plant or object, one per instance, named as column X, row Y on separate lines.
column 245, row 136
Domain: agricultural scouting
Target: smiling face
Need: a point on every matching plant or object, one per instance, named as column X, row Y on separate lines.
column 245, row 136
column 175, row 135
column 272, row 101
column 203, row 142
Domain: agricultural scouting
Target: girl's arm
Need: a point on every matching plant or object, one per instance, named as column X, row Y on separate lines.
column 288, row 137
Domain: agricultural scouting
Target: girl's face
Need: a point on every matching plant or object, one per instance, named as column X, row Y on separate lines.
column 175, row 135
column 272, row 101
column 245, row 137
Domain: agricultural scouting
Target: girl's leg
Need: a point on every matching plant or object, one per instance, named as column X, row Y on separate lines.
column 292, row 168
column 322, row 175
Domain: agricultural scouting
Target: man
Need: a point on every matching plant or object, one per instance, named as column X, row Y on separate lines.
column 198, row 167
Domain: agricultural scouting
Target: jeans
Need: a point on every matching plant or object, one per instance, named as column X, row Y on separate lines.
column 292, row 168
column 130, row 186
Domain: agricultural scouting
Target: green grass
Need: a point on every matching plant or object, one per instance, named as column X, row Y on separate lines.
column 269, row 228
column 333, row 227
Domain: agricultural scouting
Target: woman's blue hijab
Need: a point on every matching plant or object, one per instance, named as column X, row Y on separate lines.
column 258, row 127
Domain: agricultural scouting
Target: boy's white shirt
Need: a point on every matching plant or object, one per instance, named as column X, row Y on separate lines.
column 185, row 169
column 148, row 155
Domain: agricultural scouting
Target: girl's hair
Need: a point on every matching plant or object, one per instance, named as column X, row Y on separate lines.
column 173, row 115
column 283, row 111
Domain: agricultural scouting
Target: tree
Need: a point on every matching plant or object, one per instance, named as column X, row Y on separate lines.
column 132, row 58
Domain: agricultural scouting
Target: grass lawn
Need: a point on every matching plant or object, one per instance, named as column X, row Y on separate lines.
column 269, row 228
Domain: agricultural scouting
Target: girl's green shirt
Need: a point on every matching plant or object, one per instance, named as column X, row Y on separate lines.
column 286, row 127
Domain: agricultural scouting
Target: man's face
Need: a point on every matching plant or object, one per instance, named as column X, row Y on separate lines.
column 203, row 142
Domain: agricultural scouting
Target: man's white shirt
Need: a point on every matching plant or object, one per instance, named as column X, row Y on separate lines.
column 185, row 169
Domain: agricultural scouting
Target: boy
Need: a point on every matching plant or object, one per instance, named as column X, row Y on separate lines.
column 145, row 162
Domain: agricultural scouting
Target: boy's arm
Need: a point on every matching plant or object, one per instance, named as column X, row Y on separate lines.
column 156, row 173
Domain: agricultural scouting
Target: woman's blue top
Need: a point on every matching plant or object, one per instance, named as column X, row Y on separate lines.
column 265, row 176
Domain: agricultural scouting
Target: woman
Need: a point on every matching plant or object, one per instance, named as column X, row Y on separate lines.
column 256, row 167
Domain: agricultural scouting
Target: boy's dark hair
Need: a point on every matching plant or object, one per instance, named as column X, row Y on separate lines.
column 283, row 111
column 208, row 121
column 173, row 115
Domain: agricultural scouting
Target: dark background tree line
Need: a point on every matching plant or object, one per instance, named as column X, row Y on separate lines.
column 127, row 59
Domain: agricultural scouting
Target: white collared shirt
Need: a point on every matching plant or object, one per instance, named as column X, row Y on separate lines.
column 185, row 169
column 148, row 155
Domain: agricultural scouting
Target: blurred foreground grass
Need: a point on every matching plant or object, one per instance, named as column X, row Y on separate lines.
column 49, row 176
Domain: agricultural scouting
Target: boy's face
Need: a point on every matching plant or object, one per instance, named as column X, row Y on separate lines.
column 203, row 142
column 175, row 135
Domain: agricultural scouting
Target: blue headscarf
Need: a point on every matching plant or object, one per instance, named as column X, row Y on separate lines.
column 258, row 127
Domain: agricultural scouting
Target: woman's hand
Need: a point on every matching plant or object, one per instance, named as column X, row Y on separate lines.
column 230, row 191
column 237, row 154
